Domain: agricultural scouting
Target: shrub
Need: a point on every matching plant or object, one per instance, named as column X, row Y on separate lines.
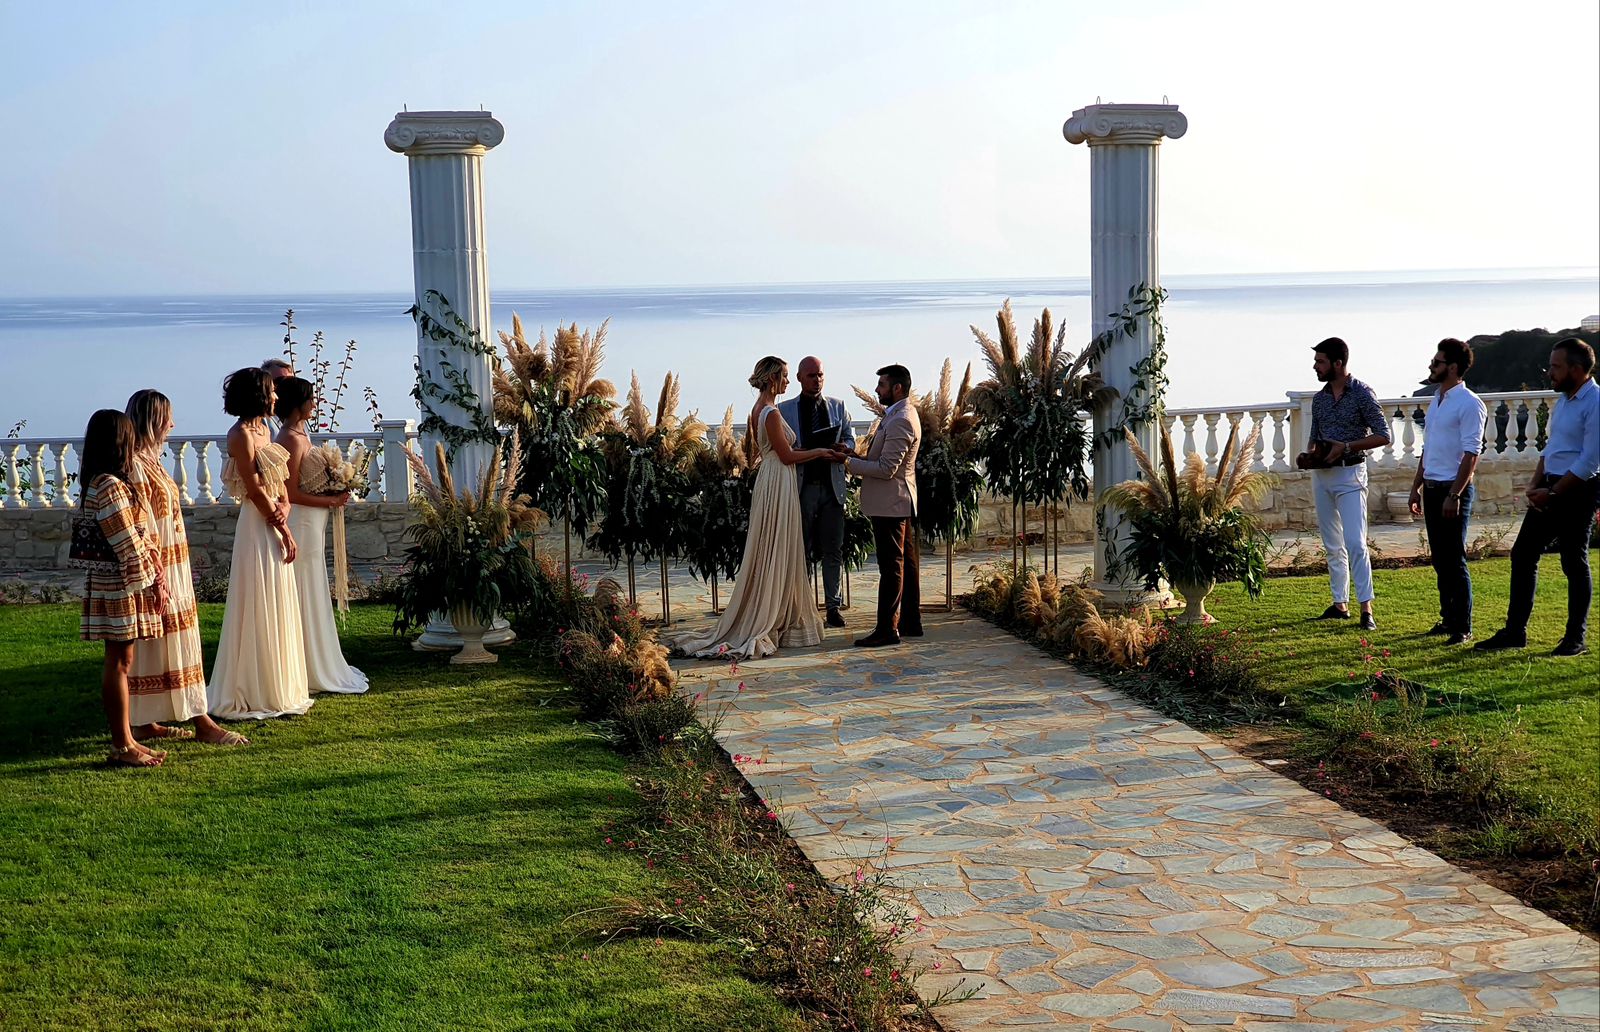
column 628, row 683
column 1210, row 660
column 212, row 585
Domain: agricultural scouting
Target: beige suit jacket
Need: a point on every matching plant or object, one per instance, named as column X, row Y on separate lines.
column 889, row 471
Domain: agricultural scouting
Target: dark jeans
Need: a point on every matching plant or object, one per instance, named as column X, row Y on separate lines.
column 822, row 521
column 1447, row 540
column 899, row 590
column 1566, row 520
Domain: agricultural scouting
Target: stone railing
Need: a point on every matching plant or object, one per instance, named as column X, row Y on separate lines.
column 33, row 467
column 1515, row 429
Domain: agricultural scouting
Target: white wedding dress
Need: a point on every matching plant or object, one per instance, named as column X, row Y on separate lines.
column 326, row 670
column 260, row 670
column 771, row 607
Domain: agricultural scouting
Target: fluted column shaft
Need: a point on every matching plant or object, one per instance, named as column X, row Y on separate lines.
column 445, row 150
column 1124, row 234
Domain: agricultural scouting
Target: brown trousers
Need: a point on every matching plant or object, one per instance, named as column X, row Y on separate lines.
column 899, row 590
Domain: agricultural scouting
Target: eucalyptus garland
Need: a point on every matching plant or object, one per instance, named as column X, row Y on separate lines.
column 457, row 392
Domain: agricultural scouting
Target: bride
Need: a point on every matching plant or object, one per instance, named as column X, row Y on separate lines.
column 771, row 607
column 326, row 669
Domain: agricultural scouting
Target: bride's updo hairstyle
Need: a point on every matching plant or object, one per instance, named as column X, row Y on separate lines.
column 766, row 369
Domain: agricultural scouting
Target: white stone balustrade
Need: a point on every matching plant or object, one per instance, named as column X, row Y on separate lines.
column 195, row 464
column 1515, row 427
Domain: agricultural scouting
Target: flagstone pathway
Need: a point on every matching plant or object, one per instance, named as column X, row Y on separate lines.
column 1085, row 863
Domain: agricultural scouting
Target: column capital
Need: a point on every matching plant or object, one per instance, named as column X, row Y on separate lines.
column 443, row 132
column 1102, row 124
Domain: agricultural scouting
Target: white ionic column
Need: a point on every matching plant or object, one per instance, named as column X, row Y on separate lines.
column 1124, row 232
column 445, row 150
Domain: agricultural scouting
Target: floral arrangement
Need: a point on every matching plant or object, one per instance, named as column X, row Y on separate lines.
column 326, row 470
column 471, row 547
column 1189, row 526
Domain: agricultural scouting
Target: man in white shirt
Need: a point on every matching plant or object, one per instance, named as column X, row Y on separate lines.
column 1562, row 501
column 1442, row 491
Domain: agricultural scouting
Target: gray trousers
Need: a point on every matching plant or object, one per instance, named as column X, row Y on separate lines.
column 822, row 519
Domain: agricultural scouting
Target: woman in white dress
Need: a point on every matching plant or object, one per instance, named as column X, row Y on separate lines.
column 771, row 606
column 326, row 670
column 260, row 669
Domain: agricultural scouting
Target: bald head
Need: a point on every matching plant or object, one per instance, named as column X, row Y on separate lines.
column 810, row 375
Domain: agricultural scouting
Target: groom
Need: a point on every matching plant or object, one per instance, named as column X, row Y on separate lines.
column 820, row 422
column 889, row 496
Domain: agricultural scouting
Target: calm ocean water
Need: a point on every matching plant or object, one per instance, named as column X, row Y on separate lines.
column 1232, row 339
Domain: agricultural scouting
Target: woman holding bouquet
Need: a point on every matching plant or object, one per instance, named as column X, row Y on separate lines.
column 168, row 680
column 260, row 670
column 311, row 503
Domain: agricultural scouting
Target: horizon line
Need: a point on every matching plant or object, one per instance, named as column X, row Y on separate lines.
column 1571, row 271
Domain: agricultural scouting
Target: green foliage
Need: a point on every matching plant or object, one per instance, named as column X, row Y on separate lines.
column 446, row 406
column 1515, row 360
column 648, row 478
column 429, row 855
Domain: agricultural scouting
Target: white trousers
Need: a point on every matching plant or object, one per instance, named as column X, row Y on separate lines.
column 1341, row 495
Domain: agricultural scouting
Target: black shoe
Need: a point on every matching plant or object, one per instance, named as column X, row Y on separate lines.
column 1568, row 647
column 906, row 632
column 1441, row 629
column 1368, row 622
column 834, row 618
column 1459, row 639
column 1502, row 639
column 1334, row 613
column 876, row 640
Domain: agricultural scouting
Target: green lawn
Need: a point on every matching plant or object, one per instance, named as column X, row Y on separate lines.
column 1560, row 698
column 409, row 859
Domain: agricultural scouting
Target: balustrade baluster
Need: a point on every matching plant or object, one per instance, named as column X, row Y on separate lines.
column 1258, row 418
column 180, row 473
column 1280, row 446
column 13, row 471
column 1188, row 419
column 1408, row 438
column 1211, row 440
column 63, row 484
column 1522, row 426
column 45, row 492
column 202, row 472
column 1387, row 457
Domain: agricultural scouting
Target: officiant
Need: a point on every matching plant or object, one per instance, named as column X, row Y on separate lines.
column 821, row 422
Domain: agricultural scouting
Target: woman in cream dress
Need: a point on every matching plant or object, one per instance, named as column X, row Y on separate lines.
column 771, row 606
column 326, row 670
column 260, row 670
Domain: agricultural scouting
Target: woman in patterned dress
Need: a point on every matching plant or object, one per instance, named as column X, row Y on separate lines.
column 123, row 607
column 168, row 679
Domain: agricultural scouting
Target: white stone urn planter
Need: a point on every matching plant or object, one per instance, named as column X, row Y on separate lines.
column 1399, row 505
column 471, row 627
column 1194, row 603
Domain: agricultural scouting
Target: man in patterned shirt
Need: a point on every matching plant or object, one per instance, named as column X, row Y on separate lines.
column 1345, row 415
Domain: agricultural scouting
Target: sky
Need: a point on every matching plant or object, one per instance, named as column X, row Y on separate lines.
column 195, row 148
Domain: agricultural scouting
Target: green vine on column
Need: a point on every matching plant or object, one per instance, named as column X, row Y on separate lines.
column 450, row 330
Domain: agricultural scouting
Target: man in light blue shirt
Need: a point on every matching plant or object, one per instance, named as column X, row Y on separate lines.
column 1562, row 501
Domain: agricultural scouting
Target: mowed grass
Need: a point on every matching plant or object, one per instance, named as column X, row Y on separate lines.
column 1309, row 660
column 409, row 859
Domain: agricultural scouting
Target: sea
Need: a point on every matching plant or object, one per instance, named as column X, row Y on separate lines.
column 1231, row 339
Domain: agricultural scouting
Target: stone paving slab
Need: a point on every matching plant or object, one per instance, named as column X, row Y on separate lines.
column 1085, row 863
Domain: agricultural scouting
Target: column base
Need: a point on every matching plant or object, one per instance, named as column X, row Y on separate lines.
column 1123, row 595
column 441, row 636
